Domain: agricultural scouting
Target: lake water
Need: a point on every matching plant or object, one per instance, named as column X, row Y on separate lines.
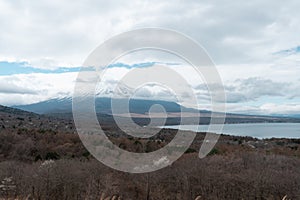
column 258, row 130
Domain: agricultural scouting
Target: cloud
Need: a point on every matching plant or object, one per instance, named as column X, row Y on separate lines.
column 231, row 32
column 31, row 88
column 251, row 95
column 256, row 87
column 272, row 108
column 8, row 87
column 46, row 49
column 154, row 91
column 251, row 89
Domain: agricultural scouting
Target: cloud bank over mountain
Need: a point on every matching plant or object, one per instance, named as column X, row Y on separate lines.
column 245, row 95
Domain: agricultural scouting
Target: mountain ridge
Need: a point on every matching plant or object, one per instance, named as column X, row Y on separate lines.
column 103, row 105
column 139, row 109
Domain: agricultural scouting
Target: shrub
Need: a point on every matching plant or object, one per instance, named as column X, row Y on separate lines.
column 52, row 156
column 190, row 150
column 214, row 151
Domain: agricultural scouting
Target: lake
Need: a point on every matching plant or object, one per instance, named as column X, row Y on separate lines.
column 258, row 130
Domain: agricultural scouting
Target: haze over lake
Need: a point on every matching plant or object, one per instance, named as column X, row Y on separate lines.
column 258, row 130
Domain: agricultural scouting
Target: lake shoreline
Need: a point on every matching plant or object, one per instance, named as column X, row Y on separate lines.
column 255, row 130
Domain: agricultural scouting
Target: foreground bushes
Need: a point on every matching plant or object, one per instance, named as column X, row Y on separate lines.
column 56, row 166
column 238, row 176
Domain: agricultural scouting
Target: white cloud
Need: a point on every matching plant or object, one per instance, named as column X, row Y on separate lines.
column 11, row 86
column 272, row 108
column 32, row 88
column 55, row 33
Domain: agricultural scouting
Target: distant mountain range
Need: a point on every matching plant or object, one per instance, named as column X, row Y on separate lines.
column 289, row 115
column 103, row 106
column 139, row 109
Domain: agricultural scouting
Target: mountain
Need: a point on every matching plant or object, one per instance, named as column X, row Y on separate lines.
column 139, row 109
column 63, row 105
column 295, row 116
column 4, row 110
column 16, row 119
column 289, row 115
column 103, row 105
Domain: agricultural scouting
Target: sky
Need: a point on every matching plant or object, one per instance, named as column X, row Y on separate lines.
column 255, row 46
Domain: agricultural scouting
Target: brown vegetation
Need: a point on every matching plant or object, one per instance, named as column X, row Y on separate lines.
column 50, row 162
column 239, row 176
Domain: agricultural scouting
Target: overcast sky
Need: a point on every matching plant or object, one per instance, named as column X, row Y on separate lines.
column 255, row 46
